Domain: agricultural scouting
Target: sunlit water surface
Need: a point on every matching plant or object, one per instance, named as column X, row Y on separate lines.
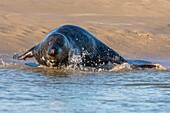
column 51, row 91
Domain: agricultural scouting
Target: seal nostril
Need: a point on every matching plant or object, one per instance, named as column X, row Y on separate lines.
column 52, row 52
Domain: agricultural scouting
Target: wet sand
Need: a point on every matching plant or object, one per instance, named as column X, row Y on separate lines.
column 136, row 30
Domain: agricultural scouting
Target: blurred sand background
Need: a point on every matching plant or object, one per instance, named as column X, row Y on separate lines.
column 137, row 29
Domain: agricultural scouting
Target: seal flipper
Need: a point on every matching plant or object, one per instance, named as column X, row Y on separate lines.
column 32, row 64
column 23, row 56
column 142, row 64
column 138, row 62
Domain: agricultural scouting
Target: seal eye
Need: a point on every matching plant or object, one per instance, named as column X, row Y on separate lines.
column 58, row 41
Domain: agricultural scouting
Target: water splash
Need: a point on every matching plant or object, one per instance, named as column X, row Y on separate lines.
column 121, row 67
column 1, row 61
column 5, row 62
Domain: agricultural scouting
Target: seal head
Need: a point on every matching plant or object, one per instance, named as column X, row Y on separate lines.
column 53, row 51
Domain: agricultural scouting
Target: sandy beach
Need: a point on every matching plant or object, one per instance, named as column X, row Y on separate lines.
column 137, row 29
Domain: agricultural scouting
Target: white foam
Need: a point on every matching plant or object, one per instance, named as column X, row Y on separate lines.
column 121, row 67
column 7, row 62
column 160, row 67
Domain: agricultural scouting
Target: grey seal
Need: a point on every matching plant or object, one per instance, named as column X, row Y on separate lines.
column 59, row 47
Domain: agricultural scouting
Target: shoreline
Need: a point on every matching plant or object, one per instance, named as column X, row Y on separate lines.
column 141, row 34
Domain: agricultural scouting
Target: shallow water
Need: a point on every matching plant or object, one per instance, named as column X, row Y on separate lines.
column 47, row 90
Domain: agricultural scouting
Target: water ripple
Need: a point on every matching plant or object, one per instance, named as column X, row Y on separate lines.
column 33, row 90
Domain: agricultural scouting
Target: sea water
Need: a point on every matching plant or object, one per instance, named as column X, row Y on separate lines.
column 43, row 90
